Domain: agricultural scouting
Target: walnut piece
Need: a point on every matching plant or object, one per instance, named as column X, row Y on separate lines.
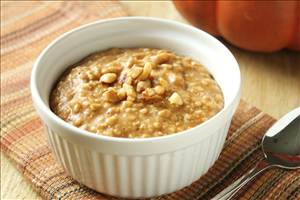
column 108, row 78
column 175, row 99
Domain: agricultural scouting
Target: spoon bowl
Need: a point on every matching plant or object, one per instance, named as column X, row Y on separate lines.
column 281, row 143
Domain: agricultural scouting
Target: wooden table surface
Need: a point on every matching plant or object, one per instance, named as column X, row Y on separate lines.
column 270, row 81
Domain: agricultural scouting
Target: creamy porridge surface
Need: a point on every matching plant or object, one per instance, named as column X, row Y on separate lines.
column 135, row 93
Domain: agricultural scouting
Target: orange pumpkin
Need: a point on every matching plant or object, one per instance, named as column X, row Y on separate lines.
column 264, row 26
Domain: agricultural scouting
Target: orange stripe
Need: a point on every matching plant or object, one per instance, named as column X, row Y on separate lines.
column 33, row 156
column 13, row 136
column 55, row 22
column 31, row 51
column 14, row 13
column 9, row 106
column 34, row 26
column 14, row 85
column 282, row 185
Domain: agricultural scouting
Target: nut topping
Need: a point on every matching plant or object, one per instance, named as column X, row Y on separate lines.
column 135, row 71
column 146, row 71
column 136, row 93
column 111, row 96
column 175, row 99
column 108, row 78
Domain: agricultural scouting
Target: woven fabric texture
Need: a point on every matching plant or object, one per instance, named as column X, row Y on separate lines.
column 27, row 28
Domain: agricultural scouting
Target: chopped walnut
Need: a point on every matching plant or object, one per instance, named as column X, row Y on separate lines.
column 159, row 90
column 135, row 71
column 175, row 99
column 108, row 78
column 112, row 69
column 111, row 96
column 143, row 85
column 146, row 71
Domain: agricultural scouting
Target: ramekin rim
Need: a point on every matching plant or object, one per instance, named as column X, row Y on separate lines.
column 41, row 105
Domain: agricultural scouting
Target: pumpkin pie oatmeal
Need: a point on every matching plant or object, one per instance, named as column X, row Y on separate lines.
column 136, row 93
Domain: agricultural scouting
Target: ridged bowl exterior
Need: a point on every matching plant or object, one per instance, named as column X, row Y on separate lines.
column 138, row 176
column 142, row 167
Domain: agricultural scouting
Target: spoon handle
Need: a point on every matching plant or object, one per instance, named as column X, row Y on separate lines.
column 230, row 191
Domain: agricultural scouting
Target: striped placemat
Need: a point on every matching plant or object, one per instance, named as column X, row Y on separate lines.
column 24, row 35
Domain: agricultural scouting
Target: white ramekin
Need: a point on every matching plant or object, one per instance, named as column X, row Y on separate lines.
column 136, row 167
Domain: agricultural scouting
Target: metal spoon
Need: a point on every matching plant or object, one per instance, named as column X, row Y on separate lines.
column 281, row 148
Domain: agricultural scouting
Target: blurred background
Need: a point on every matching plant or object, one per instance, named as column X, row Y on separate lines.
column 270, row 80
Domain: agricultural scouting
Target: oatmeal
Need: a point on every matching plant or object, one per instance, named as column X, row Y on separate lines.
column 134, row 93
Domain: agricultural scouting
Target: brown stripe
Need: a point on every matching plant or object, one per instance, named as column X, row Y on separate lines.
column 55, row 193
column 268, row 184
column 292, row 186
column 239, row 169
column 44, row 183
column 47, row 174
column 9, row 138
column 25, row 14
column 18, row 71
column 294, row 193
column 297, row 193
column 13, row 119
column 33, row 156
column 34, row 26
column 243, row 118
column 80, row 193
column 9, row 86
column 31, row 48
column 16, row 151
column 205, row 190
column 15, row 103
column 70, row 15
column 284, row 184
column 244, row 127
